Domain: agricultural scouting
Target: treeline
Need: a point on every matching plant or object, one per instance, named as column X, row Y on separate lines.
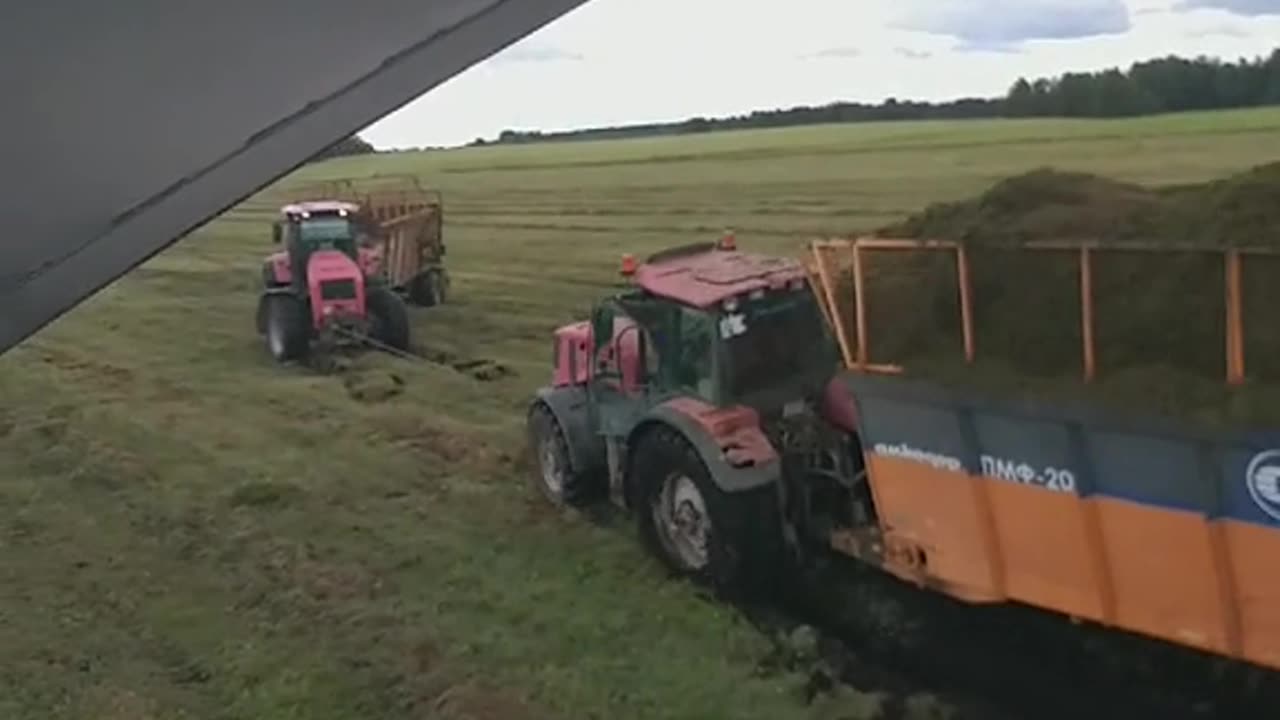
column 1169, row 84
column 354, row 145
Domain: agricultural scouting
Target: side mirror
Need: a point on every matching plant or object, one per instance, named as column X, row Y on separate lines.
column 277, row 232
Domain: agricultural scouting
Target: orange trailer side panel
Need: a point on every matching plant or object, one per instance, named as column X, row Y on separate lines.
column 1043, row 540
column 1163, row 570
column 1253, row 553
column 1168, row 535
column 938, row 510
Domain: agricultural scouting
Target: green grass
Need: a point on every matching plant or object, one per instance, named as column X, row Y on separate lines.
column 190, row 531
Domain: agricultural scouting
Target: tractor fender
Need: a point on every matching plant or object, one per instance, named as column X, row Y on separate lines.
column 738, row 455
column 571, row 409
column 276, row 270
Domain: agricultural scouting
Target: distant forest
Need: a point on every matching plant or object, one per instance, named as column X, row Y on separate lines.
column 1162, row 85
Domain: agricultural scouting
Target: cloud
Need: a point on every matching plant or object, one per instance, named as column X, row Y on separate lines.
column 1002, row 24
column 1218, row 30
column 1248, row 8
column 835, row 53
column 910, row 54
column 535, row 53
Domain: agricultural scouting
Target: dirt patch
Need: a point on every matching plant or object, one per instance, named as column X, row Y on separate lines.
column 476, row 701
column 1159, row 316
column 454, row 446
column 107, row 702
column 369, row 386
column 482, row 369
column 264, row 494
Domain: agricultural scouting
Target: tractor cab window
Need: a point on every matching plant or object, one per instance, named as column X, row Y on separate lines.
column 679, row 344
column 327, row 233
column 692, row 356
column 624, row 350
column 773, row 339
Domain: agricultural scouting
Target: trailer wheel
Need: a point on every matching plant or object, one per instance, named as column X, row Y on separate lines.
column 286, row 326
column 553, row 473
column 389, row 317
column 427, row 289
column 728, row 542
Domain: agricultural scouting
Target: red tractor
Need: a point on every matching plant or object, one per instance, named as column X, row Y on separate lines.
column 706, row 400
column 326, row 285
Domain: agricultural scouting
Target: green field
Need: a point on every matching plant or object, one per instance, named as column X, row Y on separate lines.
column 191, row 532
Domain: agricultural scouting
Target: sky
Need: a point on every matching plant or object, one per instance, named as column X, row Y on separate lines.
column 613, row 62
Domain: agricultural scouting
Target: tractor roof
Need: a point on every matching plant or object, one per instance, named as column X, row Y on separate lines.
column 710, row 276
column 319, row 206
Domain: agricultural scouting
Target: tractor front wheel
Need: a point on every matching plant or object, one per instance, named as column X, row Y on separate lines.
column 553, row 472
column 285, row 326
column 390, row 318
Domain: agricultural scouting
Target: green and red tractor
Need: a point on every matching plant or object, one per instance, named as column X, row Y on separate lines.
column 705, row 399
column 326, row 287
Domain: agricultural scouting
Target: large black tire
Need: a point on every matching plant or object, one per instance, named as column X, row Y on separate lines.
column 390, row 318
column 743, row 542
column 427, row 289
column 286, row 326
column 553, row 473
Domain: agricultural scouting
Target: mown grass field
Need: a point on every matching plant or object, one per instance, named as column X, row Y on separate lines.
column 188, row 531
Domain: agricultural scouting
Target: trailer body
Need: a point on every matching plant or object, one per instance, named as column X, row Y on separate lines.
column 1139, row 525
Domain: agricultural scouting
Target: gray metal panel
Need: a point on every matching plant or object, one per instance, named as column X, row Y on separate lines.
column 929, row 432
column 127, row 124
column 1076, row 449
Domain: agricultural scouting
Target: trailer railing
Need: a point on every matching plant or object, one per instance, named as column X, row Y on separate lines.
column 827, row 258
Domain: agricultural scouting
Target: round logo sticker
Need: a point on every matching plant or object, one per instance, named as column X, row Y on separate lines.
column 1263, row 480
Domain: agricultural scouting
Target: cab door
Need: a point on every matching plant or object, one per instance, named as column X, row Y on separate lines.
column 619, row 387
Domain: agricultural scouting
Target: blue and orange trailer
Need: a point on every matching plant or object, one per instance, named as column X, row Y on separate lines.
column 1145, row 525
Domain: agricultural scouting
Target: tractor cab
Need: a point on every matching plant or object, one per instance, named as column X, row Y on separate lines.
column 705, row 321
column 310, row 227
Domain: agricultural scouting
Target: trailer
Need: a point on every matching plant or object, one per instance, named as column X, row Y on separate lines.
column 402, row 220
column 719, row 398
column 1142, row 524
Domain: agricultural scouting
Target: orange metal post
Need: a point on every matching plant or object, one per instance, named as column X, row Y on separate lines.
column 1099, row 565
column 815, row 287
column 1228, row 592
column 966, row 302
column 859, row 303
column 1235, row 323
column 825, row 277
column 1086, row 313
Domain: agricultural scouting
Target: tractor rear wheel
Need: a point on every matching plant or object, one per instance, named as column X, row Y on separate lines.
column 427, row 289
column 390, row 318
column 553, row 473
column 286, row 326
column 729, row 542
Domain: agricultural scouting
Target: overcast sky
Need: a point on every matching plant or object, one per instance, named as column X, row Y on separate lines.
column 623, row 61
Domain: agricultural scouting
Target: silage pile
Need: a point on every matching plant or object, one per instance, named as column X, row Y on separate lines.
column 1160, row 316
